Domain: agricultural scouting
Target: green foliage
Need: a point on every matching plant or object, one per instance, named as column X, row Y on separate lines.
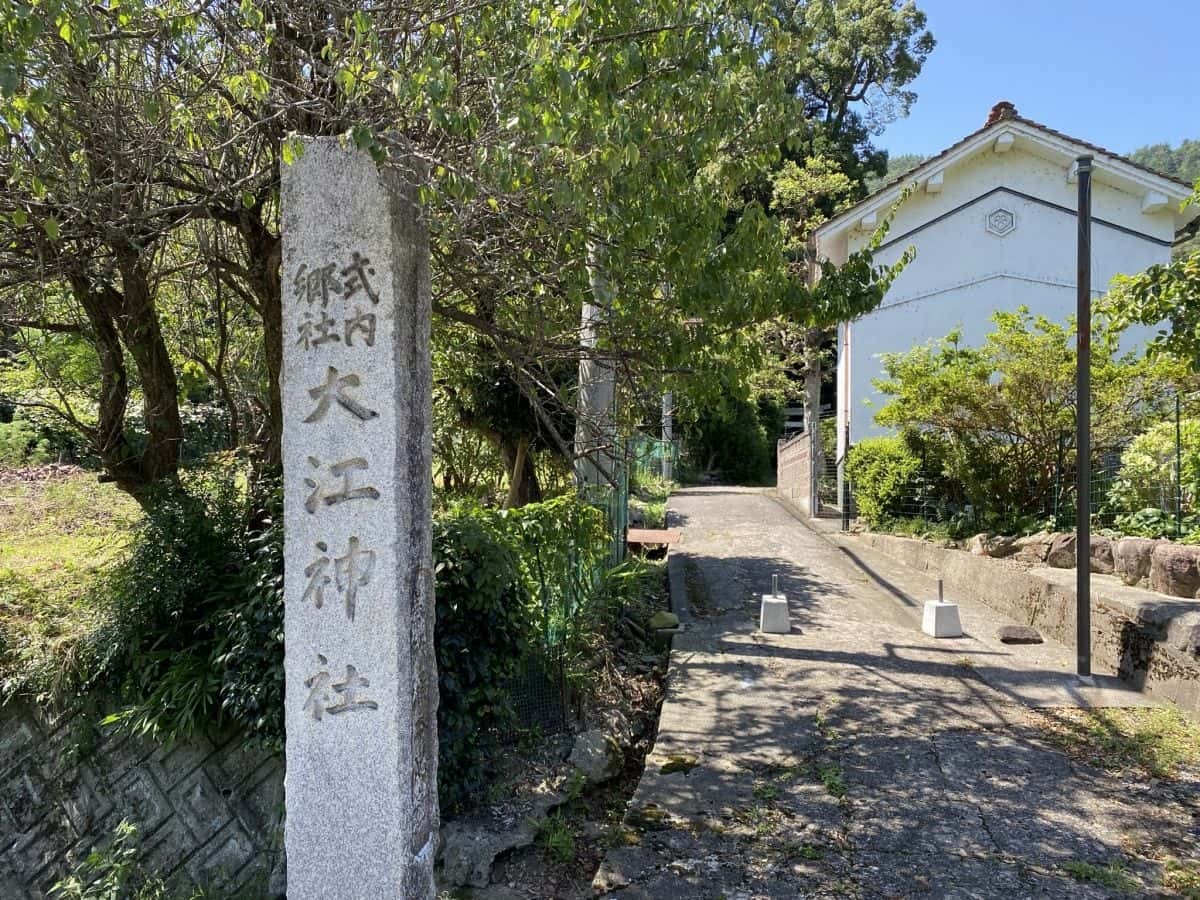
column 996, row 418
column 898, row 165
column 192, row 613
column 882, row 470
column 1113, row 875
column 484, row 631
column 563, row 546
column 1163, row 293
column 21, row 445
column 1147, row 475
column 111, row 872
column 736, row 437
column 1182, row 162
column 556, row 838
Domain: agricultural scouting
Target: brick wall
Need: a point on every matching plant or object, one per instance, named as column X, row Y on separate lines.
column 209, row 812
column 794, row 472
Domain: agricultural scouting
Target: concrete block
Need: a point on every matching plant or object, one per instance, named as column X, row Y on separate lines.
column 774, row 618
column 941, row 619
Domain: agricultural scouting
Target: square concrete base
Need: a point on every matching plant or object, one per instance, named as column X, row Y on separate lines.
column 941, row 620
column 774, row 618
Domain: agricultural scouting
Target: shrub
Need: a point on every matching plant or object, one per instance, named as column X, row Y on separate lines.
column 563, row 546
column 21, row 445
column 176, row 647
column 882, row 470
column 483, row 633
column 1147, row 475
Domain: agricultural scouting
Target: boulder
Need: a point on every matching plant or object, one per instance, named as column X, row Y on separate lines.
column 1034, row 547
column 597, row 756
column 1100, row 560
column 1175, row 569
column 1061, row 554
column 1018, row 634
column 1131, row 559
column 469, row 846
column 994, row 545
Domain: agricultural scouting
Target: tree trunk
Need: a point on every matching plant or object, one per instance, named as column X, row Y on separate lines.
column 265, row 252
column 523, row 485
column 143, row 338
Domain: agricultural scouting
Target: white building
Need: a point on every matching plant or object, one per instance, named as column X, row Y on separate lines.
column 993, row 223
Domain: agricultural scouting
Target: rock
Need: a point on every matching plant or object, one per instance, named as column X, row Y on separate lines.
column 1061, row 554
column 1100, row 559
column 614, row 722
column 1175, row 569
column 469, row 848
column 637, row 516
column 598, row 756
column 1018, row 634
column 1131, row 559
column 995, row 545
column 1034, row 547
column 663, row 619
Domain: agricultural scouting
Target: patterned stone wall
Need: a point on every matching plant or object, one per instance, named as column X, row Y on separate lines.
column 208, row 812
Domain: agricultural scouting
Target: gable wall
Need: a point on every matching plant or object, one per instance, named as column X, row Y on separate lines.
column 963, row 273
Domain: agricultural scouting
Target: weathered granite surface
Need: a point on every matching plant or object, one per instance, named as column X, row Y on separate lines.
column 361, row 695
column 208, row 812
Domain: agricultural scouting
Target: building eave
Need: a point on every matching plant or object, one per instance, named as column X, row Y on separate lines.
column 1108, row 167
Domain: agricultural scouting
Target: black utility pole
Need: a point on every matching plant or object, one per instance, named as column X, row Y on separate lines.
column 1083, row 430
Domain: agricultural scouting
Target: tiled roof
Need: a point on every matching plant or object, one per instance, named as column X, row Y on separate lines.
column 1008, row 115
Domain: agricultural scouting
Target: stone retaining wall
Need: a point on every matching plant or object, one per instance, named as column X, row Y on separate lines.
column 208, row 812
column 1151, row 640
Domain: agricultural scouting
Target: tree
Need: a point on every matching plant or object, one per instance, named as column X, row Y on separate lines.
column 997, row 416
column 1165, row 295
column 1182, row 162
column 898, row 165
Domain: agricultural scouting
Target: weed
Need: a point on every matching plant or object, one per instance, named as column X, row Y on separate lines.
column 1113, row 875
column 831, row 776
column 680, row 762
column 1183, row 878
column 575, row 785
column 765, row 792
column 556, row 838
column 1159, row 741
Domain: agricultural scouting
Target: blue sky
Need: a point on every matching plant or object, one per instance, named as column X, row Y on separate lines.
column 1118, row 74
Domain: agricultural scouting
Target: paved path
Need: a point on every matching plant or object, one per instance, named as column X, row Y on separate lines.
column 856, row 757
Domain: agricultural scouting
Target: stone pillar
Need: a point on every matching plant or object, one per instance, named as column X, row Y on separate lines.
column 361, row 684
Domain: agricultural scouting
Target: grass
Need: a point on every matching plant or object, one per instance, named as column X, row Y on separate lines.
column 56, row 535
column 556, row 838
column 1183, row 878
column 1158, row 741
column 1113, row 875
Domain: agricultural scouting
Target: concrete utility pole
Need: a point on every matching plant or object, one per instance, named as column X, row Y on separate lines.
column 594, row 432
column 1083, row 423
column 668, row 433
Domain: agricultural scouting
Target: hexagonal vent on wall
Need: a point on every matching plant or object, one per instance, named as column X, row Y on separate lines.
column 1001, row 221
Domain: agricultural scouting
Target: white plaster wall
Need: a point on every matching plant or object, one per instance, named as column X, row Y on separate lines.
column 963, row 273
